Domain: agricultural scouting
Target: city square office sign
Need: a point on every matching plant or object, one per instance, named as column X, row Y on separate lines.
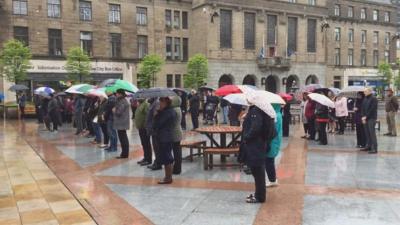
column 46, row 66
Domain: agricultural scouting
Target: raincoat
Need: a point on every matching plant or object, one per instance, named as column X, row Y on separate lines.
column 275, row 145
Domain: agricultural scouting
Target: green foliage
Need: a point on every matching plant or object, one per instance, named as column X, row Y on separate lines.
column 397, row 78
column 14, row 61
column 197, row 71
column 387, row 74
column 78, row 65
column 148, row 69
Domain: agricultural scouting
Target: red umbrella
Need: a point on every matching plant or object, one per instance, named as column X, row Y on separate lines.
column 228, row 89
column 287, row 97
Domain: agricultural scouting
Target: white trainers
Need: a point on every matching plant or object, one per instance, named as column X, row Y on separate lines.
column 272, row 184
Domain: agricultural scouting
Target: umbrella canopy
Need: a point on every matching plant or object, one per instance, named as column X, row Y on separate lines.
column 261, row 102
column 205, row 88
column 18, row 87
column 234, row 89
column 98, row 92
column 44, row 90
column 154, row 93
column 269, row 97
column 352, row 91
column 61, row 94
column 107, row 82
column 121, row 84
column 238, row 99
column 79, row 89
column 335, row 91
column 322, row 99
column 287, row 97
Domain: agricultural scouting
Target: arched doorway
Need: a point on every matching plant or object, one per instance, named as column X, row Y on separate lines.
column 249, row 80
column 225, row 80
column 312, row 79
column 292, row 83
column 271, row 84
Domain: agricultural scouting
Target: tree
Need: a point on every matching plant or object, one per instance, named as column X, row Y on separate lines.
column 197, row 71
column 397, row 78
column 78, row 64
column 385, row 69
column 148, row 68
column 14, row 61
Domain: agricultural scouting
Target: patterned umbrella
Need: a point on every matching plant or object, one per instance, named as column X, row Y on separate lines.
column 121, row 84
column 79, row 89
column 44, row 91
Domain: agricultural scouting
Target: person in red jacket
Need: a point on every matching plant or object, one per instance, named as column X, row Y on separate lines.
column 310, row 116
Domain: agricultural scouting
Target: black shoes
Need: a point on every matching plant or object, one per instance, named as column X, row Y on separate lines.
column 387, row 134
column 145, row 163
column 154, row 167
column 373, row 152
column 121, row 157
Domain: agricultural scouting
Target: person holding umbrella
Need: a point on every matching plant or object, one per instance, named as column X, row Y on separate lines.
column 194, row 108
column 274, row 149
column 154, row 106
column 177, row 135
column 121, row 121
column 22, row 104
column 140, row 123
column 369, row 113
column 108, row 117
column 53, row 111
column 322, row 118
column 183, row 107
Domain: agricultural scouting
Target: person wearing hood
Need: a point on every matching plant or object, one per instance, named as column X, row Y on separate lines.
column 163, row 126
column 274, row 149
column 177, row 135
column 140, row 123
column 121, row 121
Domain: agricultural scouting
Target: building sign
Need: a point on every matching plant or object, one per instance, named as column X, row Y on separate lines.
column 45, row 66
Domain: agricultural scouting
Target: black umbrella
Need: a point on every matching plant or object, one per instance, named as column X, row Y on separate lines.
column 18, row 87
column 154, row 93
column 180, row 90
column 205, row 88
column 61, row 94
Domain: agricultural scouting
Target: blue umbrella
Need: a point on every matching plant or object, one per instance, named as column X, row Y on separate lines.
column 44, row 90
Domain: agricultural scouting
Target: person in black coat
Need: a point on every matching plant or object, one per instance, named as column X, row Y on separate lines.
column 369, row 113
column 194, row 108
column 322, row 118
column 361, row 142
column 258, row 131
column 286, row 119
column 163, row 129
column 183, row 108
column 233, row 114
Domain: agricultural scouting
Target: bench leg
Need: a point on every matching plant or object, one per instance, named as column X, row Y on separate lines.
column 205, row 161
column 191, row 154
column 210, row 164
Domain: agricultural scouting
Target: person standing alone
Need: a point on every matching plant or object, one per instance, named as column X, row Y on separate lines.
column 369, row 113
column 22, row 104
column 391, row 108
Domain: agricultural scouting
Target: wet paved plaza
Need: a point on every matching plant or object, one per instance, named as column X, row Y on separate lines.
column 63, row 179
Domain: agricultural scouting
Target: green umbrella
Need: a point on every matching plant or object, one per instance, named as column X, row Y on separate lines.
column 121, row 84
column 79, row 89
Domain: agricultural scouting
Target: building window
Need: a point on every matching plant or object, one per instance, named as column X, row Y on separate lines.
column 141, row 16
column 311, row 35
column 375, row 15
column 337, row 34
column 292, row 36
column 363, row 36
column 170, row 80
column 350, row 12
column 142, row 46
column 115, row 41
column 292, row 1
column 387, row 55
column 312, row 2
column 85, row 10
column 226, row 29
column 54, row 8
column 168, row 18
column 185, row 49
column 21, row 34
column 20, row 7
column 185, row 23
column 350, row 57
column 271, row 29
column 249, row 30
column 387, row 16
column 375, row 39
column 387, row 38
column 177, row 49
column 363, row 14
column 178, row 80
column 114, row 13
column 337, row 56
column 351, row 35
column 363, row 57
column 376, row 57
column 87, row 42
column 55, row 42
column 398, row 44
column 168, row 48
column 337, row 10
column 177, row 19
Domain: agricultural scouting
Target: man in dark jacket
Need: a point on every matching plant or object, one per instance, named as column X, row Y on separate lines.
column 369, row 113
column 322, row 118
column 154, row 105
column 391, row 108
column 258, row 131
column 108, row 117
column 183, row 107
column 194, row 108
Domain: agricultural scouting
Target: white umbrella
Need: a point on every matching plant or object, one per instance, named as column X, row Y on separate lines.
column 335, row 91
column 238, row 99
column 44, row 90
column 77, row 89
column 270, row 97
column 99, row 92
column 352, row 91
column 322, row 99
column 247, row 88
column 261, row 102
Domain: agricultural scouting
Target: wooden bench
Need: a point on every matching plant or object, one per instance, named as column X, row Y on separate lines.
column 199, row 145
column 210, row 152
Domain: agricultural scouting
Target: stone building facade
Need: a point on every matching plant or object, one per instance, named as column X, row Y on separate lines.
column 277, row 44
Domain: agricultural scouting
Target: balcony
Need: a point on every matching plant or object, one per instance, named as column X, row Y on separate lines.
column 276, row 62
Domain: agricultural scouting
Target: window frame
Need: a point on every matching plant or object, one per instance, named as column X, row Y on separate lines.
column 350, row 12
column 115, row 45
column 363, row 57
column 168, row 18
column 337, row 57
column 363, row 36
column 375, row 58
column 336, row 10
column 141, row 16
column 20, row 3
column 338, row 34
column 363, row 13
column 249, row 32
column 87, row 42
column 51, row 7
column 375, row 15
column 176, row 21
column 52, row 42
column 177, row 55
column 185, row 49
column 170, row 80
column 169, row 48
column 87, row 8
column 225, row 37
column 375, row 38
column 387, row 17
column 145, row 44
column 351, row 35
column 312, row 47
column 350, row 57
column 22, row 38
column 114, row 13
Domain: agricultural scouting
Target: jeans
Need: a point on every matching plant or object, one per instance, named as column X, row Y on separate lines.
column 225, row 111
column 259, row 180
column 97, row 132
column 112, row 134
column 123, row 139
column 79, row 122
column 370, row 135
column 360, row 135
column 146, row 144
column 183, row 120
column 106, row 139
column 195, row 120
column 270, row 169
